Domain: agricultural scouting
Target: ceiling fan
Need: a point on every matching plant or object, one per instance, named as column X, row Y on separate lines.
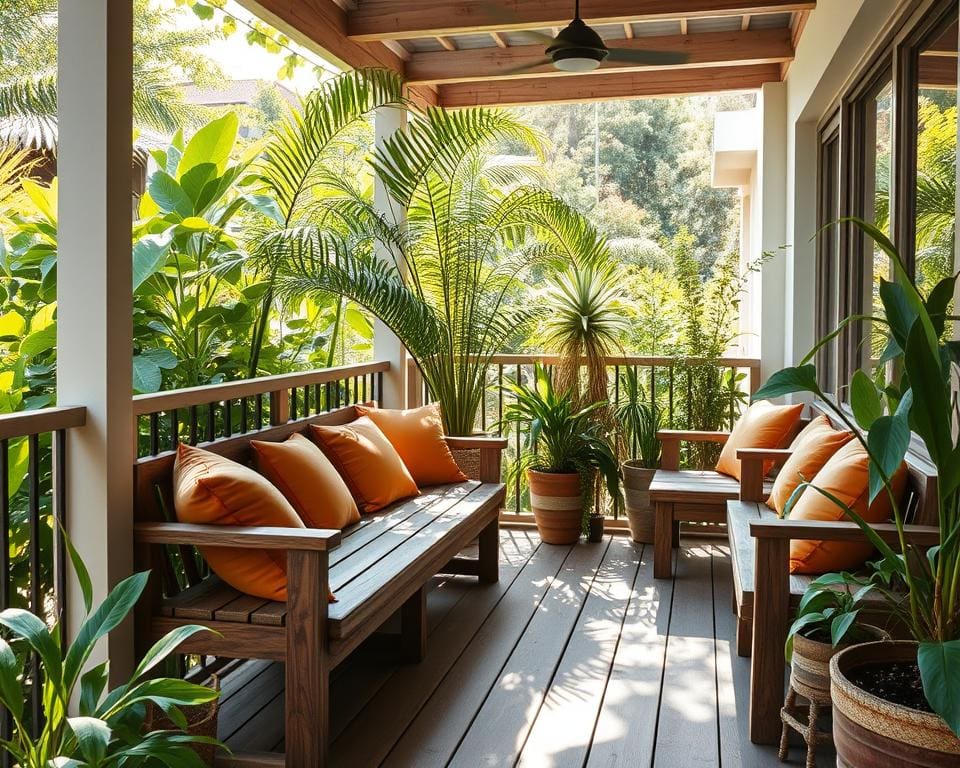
column 578, row 48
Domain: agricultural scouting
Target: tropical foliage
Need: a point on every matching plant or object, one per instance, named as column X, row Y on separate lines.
column 922, row 400
column 108, row 729
column 638, row 419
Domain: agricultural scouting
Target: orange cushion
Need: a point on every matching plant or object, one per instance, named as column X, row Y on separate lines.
column 417, row 434
column 845, row 476
column 308, row 481
column 811, row 449
column 370, row 466
column 762, row 425
column 211, row 489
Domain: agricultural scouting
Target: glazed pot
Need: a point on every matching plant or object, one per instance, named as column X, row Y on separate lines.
column 557, row 503
column 870, row 732
column 636, row 486
column 810, row 665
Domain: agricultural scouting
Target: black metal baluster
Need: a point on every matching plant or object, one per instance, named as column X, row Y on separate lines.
column 193, row 425
column 211, row 421
column 379, row 394
column 35, row 606
column 316, row 399
column 244, row 418
column 227, row 418
column 356, row 390
column 363, row 384
column 326, row 397
column 59, row 526
column 670, row 399
column 174, row 429
column 258, row 410
column 294, row 404
column 154, row 434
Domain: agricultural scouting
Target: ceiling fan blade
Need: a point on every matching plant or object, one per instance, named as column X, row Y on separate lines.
column 637, row 56
column 527, row 67
column 532, row 36
column 508, row 17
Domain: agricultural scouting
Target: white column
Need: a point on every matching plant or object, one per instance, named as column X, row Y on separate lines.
column 94, row 342
column 386, row 346
column 771, row 226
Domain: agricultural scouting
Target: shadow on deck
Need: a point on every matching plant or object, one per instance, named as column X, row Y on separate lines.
column 577, row 657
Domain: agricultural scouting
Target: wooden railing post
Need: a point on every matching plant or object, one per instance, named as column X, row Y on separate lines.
column 279, row 407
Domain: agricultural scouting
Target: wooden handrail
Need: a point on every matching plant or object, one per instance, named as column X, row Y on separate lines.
column 234, row 390
column 841, row 530
column 26, row 423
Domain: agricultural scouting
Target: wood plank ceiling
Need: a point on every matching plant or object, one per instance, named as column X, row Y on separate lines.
column 459, row 53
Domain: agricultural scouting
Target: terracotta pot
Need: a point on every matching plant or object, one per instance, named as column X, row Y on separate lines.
column 557, row 502
column 810, row 666
column 596, row 529
column 870, row 732
column 636, row 486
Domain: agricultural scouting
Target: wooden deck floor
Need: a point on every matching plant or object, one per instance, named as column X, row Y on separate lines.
column 577, row 657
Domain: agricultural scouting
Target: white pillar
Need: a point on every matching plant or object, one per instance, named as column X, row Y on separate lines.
column 771, row 227
column 801, row 274
column 386, row 346
column 95, row 326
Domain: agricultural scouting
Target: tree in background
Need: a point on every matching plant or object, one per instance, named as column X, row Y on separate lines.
column 162, row 56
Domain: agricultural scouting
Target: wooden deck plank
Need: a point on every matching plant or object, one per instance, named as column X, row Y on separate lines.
column 626, row 727
column 397, row 703
column 497, row 733
column 434, row 733
column 688, row 704
column 561, row 734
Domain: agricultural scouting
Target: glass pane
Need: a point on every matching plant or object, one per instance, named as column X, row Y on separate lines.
column 829, row 259
column 936, row 158
column 882, row 114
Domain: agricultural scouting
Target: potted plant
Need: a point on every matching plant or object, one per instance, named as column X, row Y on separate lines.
column 108, row 729
column 639, row 423
column 564, row 448
column 899, row 703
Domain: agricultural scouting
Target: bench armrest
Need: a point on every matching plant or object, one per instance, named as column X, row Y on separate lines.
column 490, row 449
column 753, row 463
column 842, row 530
column 670, row 440
column 254, row 537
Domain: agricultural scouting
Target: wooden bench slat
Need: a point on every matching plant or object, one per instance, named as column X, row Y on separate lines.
column 396, row 535
column 239, row 609
column 427, row 549
column 201, row 600
column 362, row 533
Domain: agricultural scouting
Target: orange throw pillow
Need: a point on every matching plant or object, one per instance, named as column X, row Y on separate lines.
column 762, row 425
column 845, row 476
column 370, row 466
column 811, row 449
column 417, row 434
column 212, row 490
column 308, row 481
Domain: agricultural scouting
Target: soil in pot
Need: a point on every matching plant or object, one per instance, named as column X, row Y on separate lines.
column 897, row 682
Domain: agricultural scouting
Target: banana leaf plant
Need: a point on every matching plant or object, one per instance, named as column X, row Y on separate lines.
column 922, row 399
column 108, row 729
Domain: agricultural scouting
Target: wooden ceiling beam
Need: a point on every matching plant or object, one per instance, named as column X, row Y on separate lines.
column 390, row 19
column 606, row 86
column 705, row 49
column 321, row 26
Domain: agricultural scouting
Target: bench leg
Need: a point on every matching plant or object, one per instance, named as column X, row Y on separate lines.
column 413, row 626
column 489, row 547
column 306, row 726
column 771, row 609
column 744, row 636
column 663, row 540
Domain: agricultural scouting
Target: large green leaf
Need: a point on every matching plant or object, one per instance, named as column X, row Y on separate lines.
column 39, row 342
column 11, row 690
column 211, row 144
column 149, row 255
column 169, row 195
column 865, row 400
column 940, row 671
column 38, row 636
column 888, row 440
column 148, row 367
column 165, row 646
column 93, row 738
column 930, row 416
column 92, row 684
column 788, row 381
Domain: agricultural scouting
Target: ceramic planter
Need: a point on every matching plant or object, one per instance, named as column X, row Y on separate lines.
column 870, row 732
column 557, row 502
column 636, row 486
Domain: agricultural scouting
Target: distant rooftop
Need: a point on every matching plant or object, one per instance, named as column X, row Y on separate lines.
column 232, row 92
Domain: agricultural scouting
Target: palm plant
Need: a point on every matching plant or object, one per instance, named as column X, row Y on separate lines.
column 443, row 267
column 638, row 422
column 562, row 436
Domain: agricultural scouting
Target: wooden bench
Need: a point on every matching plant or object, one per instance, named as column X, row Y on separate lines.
column 375, row 568
column 766, row 594
column 683, row 495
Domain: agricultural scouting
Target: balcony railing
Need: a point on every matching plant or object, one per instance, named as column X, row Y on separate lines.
column 33, row 508
column 670, row 382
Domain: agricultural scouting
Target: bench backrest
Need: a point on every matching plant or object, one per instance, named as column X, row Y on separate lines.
column 153, row 491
